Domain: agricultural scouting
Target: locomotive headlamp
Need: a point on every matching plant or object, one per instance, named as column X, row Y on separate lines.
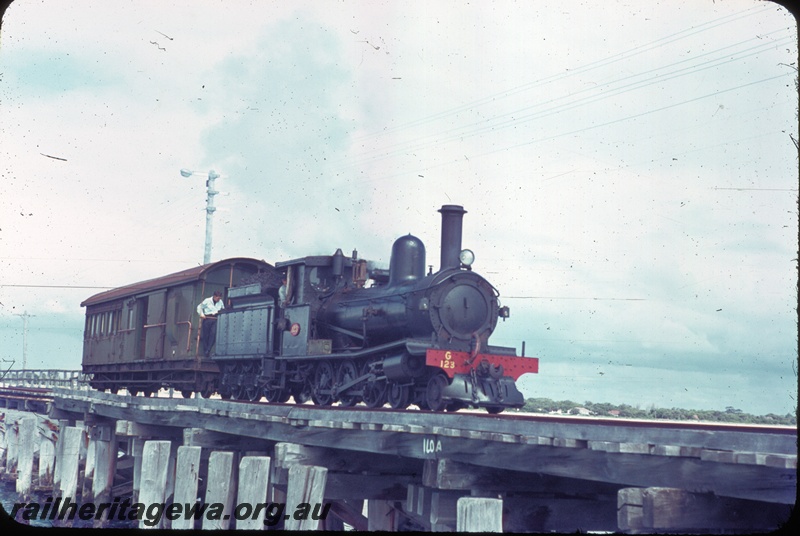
column 467, row 257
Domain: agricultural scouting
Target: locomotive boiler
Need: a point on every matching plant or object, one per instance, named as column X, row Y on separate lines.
column 339, row 331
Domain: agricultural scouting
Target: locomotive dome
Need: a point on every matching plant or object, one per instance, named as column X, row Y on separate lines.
column 408, row 260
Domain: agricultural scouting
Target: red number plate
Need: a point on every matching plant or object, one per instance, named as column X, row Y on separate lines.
column 452, row 362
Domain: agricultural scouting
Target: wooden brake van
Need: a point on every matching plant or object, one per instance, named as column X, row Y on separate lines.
column 146, row 335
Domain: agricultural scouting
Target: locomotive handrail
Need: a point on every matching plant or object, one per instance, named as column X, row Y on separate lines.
column 341, row 330
column 400, row 292
column 357, row 353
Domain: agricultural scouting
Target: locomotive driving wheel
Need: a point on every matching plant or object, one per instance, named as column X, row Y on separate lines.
column 276, row 395
column 237, row 392
column 435, row 391
column 374, row 390
column 322, row 393
column 345, row 374
column 207, row 390
column 302, row 392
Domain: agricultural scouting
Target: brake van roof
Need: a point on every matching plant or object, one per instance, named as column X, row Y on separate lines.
column 196, row 273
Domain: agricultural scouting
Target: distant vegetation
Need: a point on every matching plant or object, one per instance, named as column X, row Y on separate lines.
column 730, row 414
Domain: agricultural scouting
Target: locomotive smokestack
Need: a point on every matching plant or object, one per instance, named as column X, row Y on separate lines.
column 452, row 216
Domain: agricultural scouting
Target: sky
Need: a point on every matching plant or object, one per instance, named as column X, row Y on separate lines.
column 629, row 169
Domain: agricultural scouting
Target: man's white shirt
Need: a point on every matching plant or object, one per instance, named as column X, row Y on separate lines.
column 208, row 307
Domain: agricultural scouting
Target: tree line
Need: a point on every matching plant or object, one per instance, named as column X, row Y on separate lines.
column 604, row 409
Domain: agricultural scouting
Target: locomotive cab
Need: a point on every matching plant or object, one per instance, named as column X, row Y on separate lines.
column 309, row 281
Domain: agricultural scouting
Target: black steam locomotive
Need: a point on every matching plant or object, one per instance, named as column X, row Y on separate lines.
column 338, row 331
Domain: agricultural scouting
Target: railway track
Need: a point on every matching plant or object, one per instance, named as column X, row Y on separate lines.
column 45, row 395
column 26, row 393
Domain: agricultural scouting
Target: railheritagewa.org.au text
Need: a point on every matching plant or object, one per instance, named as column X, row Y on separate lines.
column 152, row 514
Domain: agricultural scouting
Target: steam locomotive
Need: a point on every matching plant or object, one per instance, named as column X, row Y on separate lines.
column 339, row 331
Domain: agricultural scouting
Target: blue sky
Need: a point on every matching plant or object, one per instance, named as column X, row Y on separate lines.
column 629, row 169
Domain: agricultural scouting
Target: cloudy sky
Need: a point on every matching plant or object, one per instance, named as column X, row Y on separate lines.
column 629, row 169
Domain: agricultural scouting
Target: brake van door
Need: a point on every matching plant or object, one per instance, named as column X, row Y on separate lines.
column 155, row 324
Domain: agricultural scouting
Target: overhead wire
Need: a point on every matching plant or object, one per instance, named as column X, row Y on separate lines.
column 573, row 132
column 575, row 71
column 590, row 99
column 570, row 72
column 479, row 128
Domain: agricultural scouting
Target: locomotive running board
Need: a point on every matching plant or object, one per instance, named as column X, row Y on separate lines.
column 453, row 362
column 355, row 354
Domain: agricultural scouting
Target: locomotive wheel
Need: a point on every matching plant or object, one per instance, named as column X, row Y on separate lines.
column 323, row 381
column 237, row 389
column 347, row 373
column 234, row 374
column 399, row 396
column 374, row 390
column 243, row 374
column 237, row 392
column 302, row 394
column 494, row 410
column 186, row 393
column 434, row 394
column 207, row 391
column 252, row 391
column 454, row 406
column 276, row 396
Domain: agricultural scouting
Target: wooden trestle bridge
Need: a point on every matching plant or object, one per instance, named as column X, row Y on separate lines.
column 381, row 469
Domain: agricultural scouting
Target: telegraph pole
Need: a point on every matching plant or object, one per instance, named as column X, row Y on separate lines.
column 25, row 316
column 210, row 208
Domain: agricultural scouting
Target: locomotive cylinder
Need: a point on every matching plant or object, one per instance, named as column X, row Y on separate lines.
column 402, row 367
